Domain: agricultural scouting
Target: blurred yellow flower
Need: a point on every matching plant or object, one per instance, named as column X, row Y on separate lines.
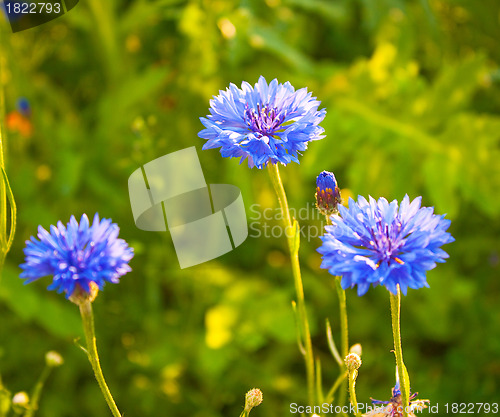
column 219, row 321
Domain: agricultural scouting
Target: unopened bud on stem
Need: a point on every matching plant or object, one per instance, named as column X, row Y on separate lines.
column 352, row 362
column 356, row 349
column 327, row 193
column 53, row 359
column 20, row 402
column 252, row 399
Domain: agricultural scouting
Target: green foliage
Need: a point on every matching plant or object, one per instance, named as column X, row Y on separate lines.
column 411, row 90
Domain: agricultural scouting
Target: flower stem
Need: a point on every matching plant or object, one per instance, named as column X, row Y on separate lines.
column 5, row 400
column 3, row 191
column 293, row 244
column 344, row 334
column 88, row 327
column 402, row 373
column 338, row 382
column 37, row 391
column 352, row 391
column 344, row 339
column 6, row 196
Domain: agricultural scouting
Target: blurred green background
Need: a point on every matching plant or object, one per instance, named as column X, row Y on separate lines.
column 412, row 92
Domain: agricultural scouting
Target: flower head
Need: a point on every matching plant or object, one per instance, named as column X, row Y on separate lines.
column 20, row 402
column 375, row 242
column 357, row 349
column 53, row 359
column 78, row 256
column 253, row 398
column 352, row 361
column 21, row 398
column 327, row 193
column 265, row 123
column 394, row 407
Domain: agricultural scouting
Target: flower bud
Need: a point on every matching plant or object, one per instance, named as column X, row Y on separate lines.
column 352, row 361
column 253, row 398
column 20, row 402
column 21, row 399
column 356, row 349
column 327, row 193
column 53, row 359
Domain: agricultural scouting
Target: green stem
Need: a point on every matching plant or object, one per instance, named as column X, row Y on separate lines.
column 5, row 400
column 37, row 391
column 2, row 261
column 396, row 332
column 344, row 334
column 6, row 196
column 352, row 391
column 3, row 189
column 331, row 394
column 344, row 338
column 319, row 383
column 88, row 327
column 331, row 344
column 293, row 239
column 6, row 245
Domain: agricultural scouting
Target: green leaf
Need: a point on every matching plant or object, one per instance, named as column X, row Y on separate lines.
column 331, row 344
column 406, row 381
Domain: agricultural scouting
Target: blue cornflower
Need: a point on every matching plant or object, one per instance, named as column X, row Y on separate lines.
column 327, row 193
column 375, row 243
column 77, row 255
column 394, row 407
column 266, row 123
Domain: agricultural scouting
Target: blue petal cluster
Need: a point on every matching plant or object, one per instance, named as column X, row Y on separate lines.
column 326, row 181
column 375, row 242
column 394, row 406
column 264, row 124
column 77, row 254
